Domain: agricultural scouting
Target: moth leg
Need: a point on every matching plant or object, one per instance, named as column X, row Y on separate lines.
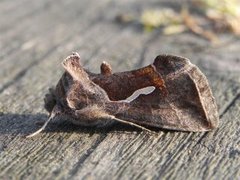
column 131, row 123
column 53, row 114
column 106, row 68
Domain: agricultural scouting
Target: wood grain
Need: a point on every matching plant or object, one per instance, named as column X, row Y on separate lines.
column 39, row 34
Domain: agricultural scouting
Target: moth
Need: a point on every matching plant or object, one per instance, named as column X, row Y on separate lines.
column 181, row 98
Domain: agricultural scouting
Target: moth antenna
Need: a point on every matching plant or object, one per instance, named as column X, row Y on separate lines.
column 131, row 123
column 43, row 127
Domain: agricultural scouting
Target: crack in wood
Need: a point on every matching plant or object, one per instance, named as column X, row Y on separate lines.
column 229, row 105
column 87, row 155
column 21, row 74
column 171, row 157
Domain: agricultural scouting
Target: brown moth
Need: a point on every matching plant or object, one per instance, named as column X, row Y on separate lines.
column 181, row 99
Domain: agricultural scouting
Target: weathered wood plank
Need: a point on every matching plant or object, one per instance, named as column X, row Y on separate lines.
column 16, row 33
column 21, row 12
column 45, row 43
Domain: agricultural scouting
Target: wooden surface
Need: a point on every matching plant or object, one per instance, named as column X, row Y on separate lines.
column 35, row 36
